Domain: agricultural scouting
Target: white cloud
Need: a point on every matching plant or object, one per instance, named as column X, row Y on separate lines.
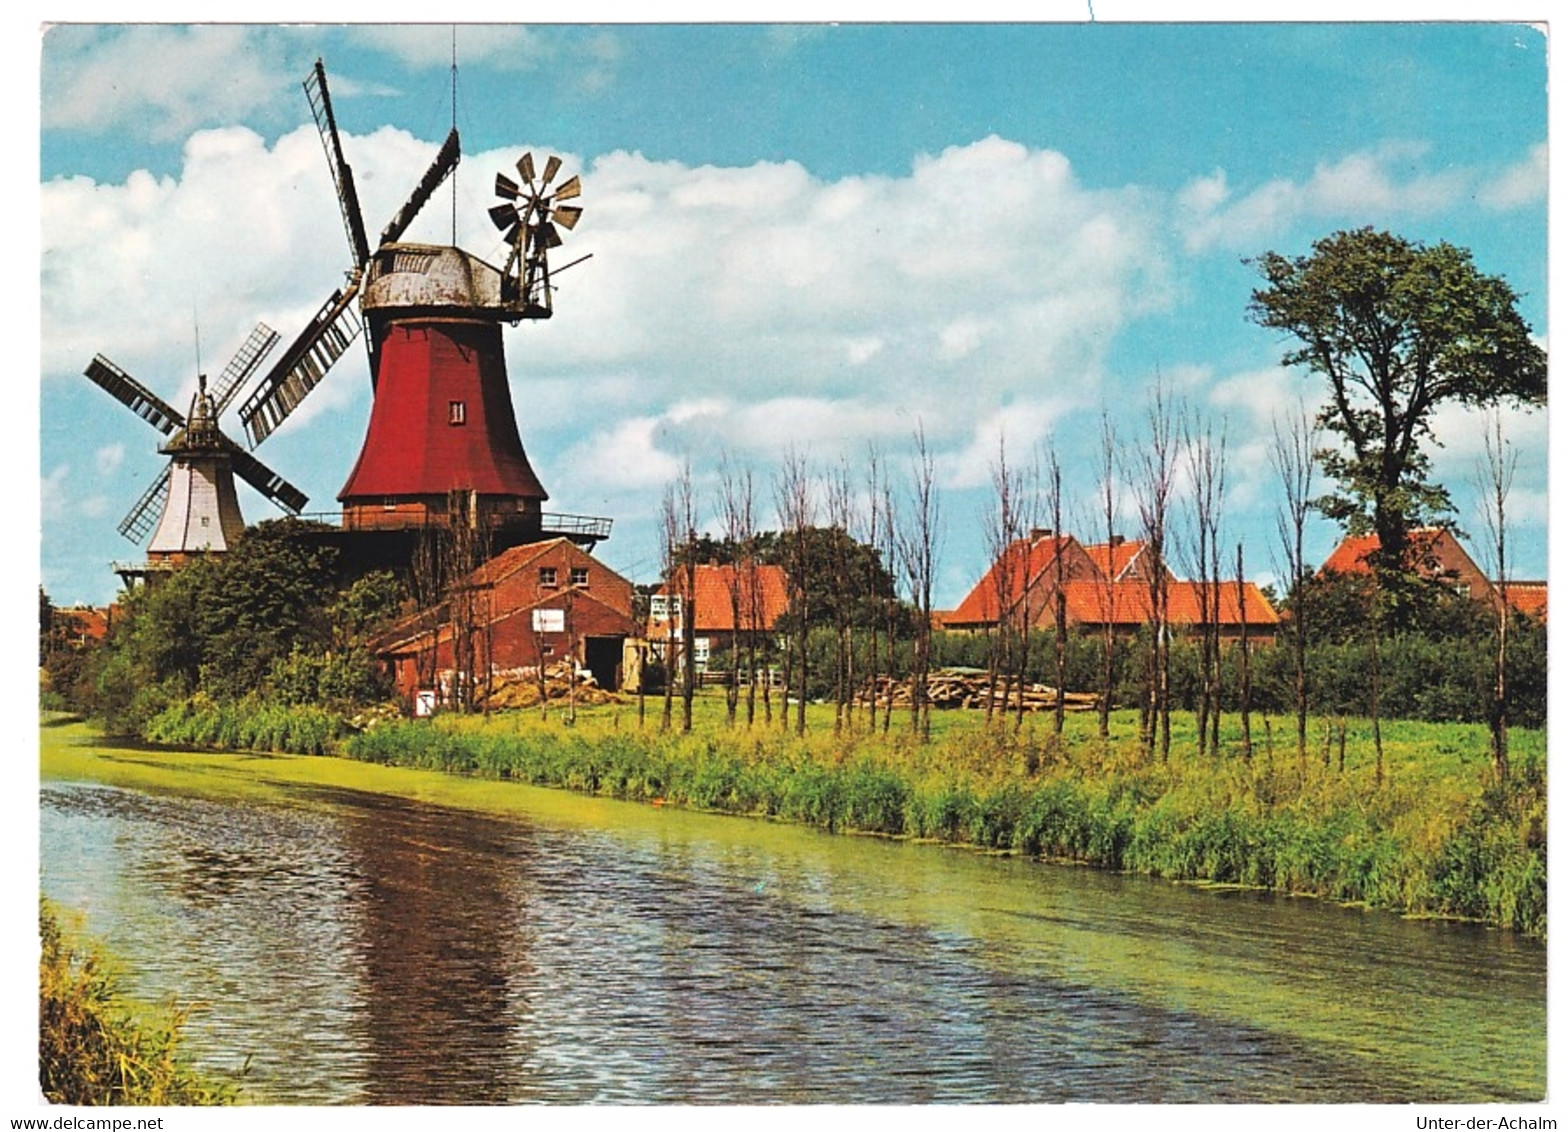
column 170, row 78
column 1021, row 426
column 502, row 46
column 1520, row 184
column 108, row 458
column 1363, row 187
column 52, row 491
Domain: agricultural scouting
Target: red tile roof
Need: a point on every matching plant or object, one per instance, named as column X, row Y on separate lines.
column 1350, row 556
column 83, row 623
column 714, row 611
column 1113, row 558
column 1023, row 561
column 1129, row 604
column 1528, row 598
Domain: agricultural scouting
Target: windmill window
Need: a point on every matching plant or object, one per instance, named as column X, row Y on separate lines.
column 456, row 412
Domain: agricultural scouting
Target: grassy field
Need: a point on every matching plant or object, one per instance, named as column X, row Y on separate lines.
column 1430, row 835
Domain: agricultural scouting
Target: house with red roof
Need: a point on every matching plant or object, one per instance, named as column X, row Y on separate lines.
column 1438, row 553
column 726, row 600
column 1127, row 606
column 82, row 626
column 1107, row 584
column 1124, row 560
column 1026, row 572
column 529, row 605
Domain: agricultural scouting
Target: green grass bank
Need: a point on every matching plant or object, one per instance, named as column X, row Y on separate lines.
column 1435, row 837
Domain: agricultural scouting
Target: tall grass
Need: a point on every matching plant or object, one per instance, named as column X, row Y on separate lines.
column 247, row 724
column 1433, row 839
column 92, row 1049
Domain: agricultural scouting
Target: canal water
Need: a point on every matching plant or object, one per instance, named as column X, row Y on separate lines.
column 361, row 949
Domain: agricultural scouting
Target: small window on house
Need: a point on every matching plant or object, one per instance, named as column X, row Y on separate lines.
column 546, row 650
column 456, row 413
column 547, row 577
column 580, row 577
column 389, row 504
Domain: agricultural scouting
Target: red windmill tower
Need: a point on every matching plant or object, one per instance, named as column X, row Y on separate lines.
column 442, row 443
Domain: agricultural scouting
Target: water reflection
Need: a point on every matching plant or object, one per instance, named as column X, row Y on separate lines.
column 373, row 950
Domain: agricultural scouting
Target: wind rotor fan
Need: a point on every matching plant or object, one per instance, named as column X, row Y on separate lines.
column 530, row 216
column 156, row 412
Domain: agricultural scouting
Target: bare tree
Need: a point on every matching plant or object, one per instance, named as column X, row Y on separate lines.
column 1026, row 609
column 1009, row 556
column 1107, row 582
column 1495, row 479
column 792, row 494
column 1053, row 491
column 670, row 528
column 1153, row 483
column 736, row 538
column 1243, row 661
column 688, row 505
column 919, row 538
column 1206, row 472
column 841, row 506
column 890, row 555
column 744, row 582
column 1295, row 460
column 873, row 514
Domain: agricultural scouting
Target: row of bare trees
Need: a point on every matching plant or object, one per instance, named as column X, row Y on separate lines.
column 1172, row 476
column 835, row 535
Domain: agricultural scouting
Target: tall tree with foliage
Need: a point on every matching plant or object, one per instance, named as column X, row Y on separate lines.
column 1397, row 328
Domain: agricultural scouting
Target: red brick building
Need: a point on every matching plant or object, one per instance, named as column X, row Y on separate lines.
column 1106, row 583
column 528, row 605
column 1026, row 570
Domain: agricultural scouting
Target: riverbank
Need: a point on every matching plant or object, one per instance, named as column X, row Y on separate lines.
column 94, row 1047
column 1424, row 835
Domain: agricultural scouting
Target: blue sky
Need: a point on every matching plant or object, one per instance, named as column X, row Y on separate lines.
column 812, row 235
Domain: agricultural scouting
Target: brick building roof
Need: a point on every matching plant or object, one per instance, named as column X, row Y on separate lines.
column 1028, row 565
column 1114, row 558
column 713, row 605
column 1129, row 604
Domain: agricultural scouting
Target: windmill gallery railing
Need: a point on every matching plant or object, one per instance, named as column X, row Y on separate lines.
column 551, row 524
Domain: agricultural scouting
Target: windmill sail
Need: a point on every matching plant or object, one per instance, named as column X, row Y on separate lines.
column 265, row 480
column 342, row 175
column 139, row 520
column 133, row 394
column 242, row 365
column 302, row 366
column 443, row 165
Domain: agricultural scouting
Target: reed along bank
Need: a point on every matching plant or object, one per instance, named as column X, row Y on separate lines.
column 1425, row 831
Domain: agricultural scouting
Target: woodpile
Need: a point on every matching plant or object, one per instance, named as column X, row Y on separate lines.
column 968, row 688
column 519, row 687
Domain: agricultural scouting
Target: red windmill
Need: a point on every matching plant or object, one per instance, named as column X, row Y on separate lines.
column 442, row 432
